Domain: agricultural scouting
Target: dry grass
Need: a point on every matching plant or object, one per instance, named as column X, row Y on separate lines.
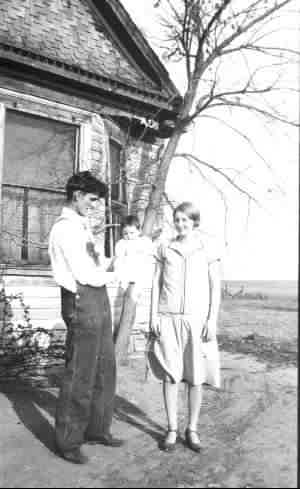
column 265, row 328
column 275, row 318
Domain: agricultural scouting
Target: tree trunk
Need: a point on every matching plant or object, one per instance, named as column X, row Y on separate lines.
column 130, row 301
column 160, row 184
column 166, row 159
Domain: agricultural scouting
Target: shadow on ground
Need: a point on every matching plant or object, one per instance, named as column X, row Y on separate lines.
column 131, row 414
column 35, row 408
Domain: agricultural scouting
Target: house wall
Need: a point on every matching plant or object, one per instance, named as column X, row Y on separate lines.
column 70, row 31
column 39, row 292
column 41, row 296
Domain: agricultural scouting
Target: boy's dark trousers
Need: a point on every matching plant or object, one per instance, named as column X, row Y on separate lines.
column 86, row 399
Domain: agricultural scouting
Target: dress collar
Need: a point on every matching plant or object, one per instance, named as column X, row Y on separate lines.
column 196, row 244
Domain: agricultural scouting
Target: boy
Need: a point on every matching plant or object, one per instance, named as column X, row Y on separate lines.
column 85, row 404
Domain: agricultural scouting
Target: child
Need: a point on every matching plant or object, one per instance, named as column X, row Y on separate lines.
column 133, row 255
column 184, row 310
column 133, row 264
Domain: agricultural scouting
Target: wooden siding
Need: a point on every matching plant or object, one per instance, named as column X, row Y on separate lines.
column 42, row 296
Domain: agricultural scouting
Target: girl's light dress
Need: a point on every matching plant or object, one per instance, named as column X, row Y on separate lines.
column 179, row 353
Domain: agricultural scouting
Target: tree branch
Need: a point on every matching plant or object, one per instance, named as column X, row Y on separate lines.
column 249, row 25
column 265, row 113
column 219, row 172
column 248, row 141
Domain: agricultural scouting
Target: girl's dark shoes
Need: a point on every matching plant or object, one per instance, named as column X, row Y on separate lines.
column 192, row 440
column 170, row 441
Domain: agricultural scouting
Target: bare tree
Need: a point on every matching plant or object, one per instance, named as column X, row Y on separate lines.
column 209, row 37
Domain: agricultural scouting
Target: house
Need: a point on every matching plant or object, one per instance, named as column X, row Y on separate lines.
column 80, row 88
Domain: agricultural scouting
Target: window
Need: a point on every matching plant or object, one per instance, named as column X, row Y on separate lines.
column 39, row 156
column 117, row 172
column 116, row 205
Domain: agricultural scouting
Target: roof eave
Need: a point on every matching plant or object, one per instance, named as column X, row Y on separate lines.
column 90, row 85
column 136, row 40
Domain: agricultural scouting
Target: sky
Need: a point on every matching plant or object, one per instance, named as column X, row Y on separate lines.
column 262, row 244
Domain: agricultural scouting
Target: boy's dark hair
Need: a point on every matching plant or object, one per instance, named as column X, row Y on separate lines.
column 131, row 220
column 87, row 183
column 190, row 210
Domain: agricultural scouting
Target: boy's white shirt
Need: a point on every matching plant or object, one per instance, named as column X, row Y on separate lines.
column 70, row 259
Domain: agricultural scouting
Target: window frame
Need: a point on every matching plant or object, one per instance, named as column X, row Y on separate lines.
column 115, row 210
column 121, row 183
column 34, row 106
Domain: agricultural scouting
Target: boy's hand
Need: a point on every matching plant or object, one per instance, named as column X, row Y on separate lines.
column 113, row 277
column 110, row 264
column 209, row 331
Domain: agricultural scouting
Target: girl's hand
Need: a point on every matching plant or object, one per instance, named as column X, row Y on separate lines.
column 209, row 331
column 155, row 327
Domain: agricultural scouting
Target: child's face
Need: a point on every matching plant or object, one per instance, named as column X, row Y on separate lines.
column 130, row 232
column 183, row 224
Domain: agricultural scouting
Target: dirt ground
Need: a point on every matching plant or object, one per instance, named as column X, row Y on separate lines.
column 248, row 431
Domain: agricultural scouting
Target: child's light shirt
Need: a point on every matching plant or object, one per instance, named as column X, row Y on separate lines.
column 134, row 259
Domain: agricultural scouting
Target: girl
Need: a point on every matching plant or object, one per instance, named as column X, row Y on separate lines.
column 185, row 304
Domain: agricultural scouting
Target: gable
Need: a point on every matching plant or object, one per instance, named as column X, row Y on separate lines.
column 72, row 32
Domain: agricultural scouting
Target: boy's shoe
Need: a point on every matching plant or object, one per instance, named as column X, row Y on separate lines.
column 107, row 440
column 74, row 456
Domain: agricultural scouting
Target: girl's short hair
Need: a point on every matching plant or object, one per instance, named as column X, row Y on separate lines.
column 190, row 210
column 131, row 220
